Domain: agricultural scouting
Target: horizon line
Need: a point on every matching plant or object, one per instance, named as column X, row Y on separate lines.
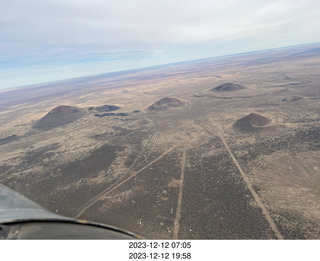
column 147, row 67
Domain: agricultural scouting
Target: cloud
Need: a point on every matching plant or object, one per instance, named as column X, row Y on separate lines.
column 143, row 22
column 60, row 32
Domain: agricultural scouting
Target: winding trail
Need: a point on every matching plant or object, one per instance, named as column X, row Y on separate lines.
column 178, row 210
column 108, row 190
column 253, row 192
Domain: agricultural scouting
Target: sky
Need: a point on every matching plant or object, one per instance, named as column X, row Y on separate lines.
column 48, row 40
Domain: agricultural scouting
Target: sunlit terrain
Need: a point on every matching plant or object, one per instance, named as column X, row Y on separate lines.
column 219, row 148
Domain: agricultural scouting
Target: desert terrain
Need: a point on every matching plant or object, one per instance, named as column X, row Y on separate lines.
column 218, row 148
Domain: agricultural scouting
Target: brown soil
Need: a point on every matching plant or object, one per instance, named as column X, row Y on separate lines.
column 175, row 183
column 165, row 103
column 227, row 87
column 252, row 122
column 59, row 116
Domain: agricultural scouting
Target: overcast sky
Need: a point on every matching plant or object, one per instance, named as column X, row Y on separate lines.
column 46, row 40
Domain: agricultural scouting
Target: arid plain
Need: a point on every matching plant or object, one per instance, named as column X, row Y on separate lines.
column 219, row 148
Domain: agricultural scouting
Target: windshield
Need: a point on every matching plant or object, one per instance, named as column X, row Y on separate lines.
column 161, row 140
